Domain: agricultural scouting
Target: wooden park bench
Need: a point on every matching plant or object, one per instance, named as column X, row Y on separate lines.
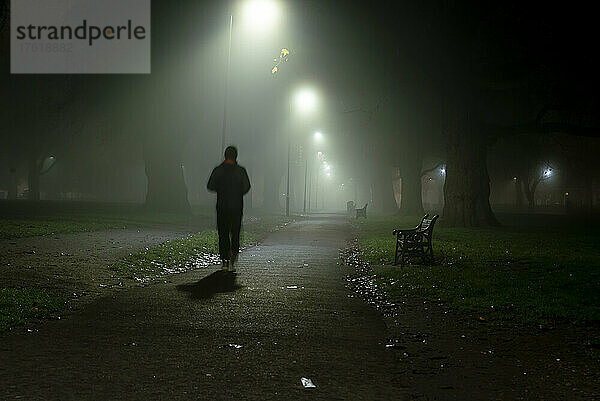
column 350, row 207
column 362, row 212
column 416, row 241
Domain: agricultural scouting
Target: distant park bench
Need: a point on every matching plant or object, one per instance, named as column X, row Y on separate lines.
column 350, row 208
column 416, row 241
column 362, row 212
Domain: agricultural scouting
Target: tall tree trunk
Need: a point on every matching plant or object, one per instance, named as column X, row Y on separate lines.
column 33, row 178
column 589, row 192
column 273, row 176
column 167, row 191
column 518, row 193
column 12, row 184
column 467, row 185
column 411, row 201
column 530, row 195
column 529, row 189
column 383, row 192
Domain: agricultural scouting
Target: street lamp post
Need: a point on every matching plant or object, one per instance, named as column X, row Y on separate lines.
column 305, row 182
column 318, row 170
column 223, row 133
column 310, row 183
column 317, row 189
column 317, row 137
column 287, row 190
column 306, row 101
column 260, row 14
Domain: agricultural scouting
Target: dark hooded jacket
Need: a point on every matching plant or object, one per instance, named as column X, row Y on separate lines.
column 230, row 181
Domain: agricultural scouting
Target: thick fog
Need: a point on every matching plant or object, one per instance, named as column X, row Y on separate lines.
column 379, row 78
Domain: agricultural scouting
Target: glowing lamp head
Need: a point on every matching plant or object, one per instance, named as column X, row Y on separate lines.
column 260, row 14
column 306, row 101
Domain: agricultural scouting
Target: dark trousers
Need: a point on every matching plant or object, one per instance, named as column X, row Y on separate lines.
column 229, row 224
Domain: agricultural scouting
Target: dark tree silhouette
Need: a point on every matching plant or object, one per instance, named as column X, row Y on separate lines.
column 467, row 185
column 166, row 189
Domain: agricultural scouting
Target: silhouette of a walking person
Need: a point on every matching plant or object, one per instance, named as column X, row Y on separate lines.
column 230, row 181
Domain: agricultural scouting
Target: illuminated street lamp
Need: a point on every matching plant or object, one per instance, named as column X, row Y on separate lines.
column 320, row 165
column 258, row 15
column 305, row 100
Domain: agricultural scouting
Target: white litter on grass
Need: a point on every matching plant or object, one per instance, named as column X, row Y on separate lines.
column 236, row 346
column 307, row 383
column 292, row 287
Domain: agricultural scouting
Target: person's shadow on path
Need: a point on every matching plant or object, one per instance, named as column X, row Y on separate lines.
column 218, row 282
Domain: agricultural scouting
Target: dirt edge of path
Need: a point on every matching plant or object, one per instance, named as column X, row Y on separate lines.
column 453, row 355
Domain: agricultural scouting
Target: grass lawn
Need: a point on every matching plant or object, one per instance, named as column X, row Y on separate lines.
column 19, row 219
column 178, row 253
column 18, row 304
column 530, row 274
column 20, row 228
column 25, row 219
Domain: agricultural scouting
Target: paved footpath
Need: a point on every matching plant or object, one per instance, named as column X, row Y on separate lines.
column 288, row 309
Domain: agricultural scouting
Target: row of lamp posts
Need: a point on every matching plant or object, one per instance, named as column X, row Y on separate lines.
column 261, row 14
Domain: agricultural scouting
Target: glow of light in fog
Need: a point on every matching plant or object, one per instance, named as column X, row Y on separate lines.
column 318, row 137
column 260, row 15
column 306, row 100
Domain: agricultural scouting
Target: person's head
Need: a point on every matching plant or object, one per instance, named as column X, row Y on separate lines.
column 231, row 153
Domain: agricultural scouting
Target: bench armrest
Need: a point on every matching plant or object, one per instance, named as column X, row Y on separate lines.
column 396, row 232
